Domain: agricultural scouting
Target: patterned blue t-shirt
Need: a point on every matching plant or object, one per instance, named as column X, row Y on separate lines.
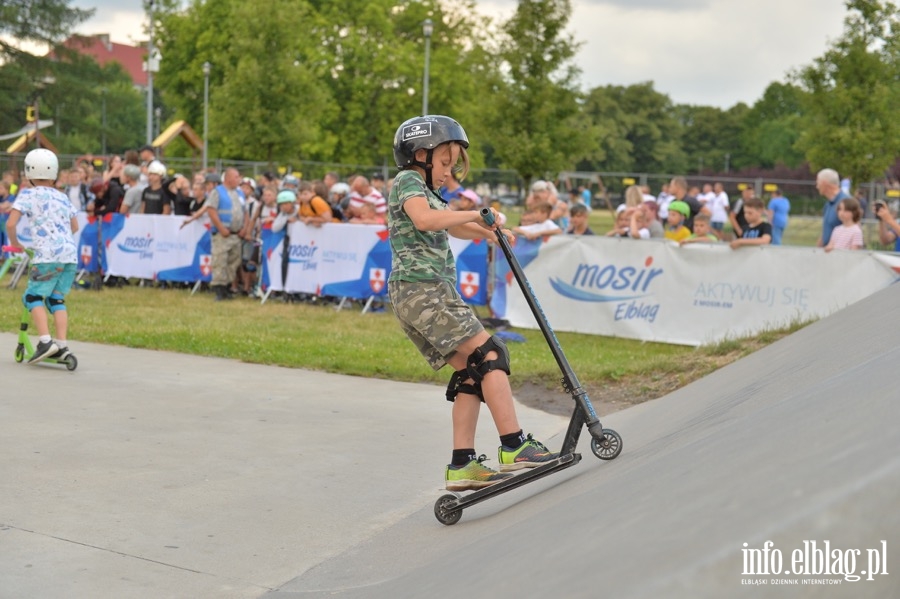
column 49, row 213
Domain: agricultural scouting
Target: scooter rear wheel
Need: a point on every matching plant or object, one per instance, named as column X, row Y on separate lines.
column 609, row 446
column 443, row 513
column 71, row 362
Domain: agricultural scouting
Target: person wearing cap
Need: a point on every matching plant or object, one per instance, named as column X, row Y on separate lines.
column 678, row 213
column 467, row 200
column 131, row 177
column 678, row 187
column 290, row 182
column 288, row 211
column 154, row 199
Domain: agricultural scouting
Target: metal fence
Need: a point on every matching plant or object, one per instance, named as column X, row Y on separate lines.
column 506, row 185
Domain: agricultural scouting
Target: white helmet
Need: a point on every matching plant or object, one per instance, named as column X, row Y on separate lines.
column 339, row 189
column 41, row 164
column 157, row 168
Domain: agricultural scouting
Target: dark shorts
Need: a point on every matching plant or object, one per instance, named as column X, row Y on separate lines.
column 434, row 317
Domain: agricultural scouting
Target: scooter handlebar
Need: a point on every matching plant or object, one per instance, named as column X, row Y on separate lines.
column 488, row 216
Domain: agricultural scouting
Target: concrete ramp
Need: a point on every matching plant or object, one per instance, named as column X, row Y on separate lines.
column 797, row 444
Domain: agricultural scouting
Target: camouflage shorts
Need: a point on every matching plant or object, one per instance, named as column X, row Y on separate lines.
column 434, row 317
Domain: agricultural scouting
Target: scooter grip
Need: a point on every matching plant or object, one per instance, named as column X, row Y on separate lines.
column 488, row 215
column 10, row 249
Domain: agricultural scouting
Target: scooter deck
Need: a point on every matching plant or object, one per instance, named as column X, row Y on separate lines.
column 530, row 475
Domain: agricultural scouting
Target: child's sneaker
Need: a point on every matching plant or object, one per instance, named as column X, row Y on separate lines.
column 43, row 350
column 61, row 354
column 530, row 454
column 473, row 475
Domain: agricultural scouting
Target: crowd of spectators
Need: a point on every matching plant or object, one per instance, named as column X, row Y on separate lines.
column 138, row 182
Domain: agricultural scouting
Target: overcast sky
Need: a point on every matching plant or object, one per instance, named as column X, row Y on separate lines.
column 709, row 52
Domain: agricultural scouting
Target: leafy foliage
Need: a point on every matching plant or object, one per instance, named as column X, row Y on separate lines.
column 849, row 121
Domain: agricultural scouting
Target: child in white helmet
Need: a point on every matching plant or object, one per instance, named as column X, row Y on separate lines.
column 51, row 216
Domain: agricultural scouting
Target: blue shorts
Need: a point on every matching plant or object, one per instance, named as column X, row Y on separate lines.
column 717, row 225
column 52, row 277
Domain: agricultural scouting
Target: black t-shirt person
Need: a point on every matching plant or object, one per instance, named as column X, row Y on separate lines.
column 755, row 232
column 154, row 201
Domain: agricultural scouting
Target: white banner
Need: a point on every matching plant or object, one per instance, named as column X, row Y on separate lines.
column 694, row 294
column 145, row 245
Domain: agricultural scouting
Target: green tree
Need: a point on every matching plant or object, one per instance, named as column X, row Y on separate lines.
column 535, row 120
column 44, row 22
column 849, row 121
column 640, row 131
column 712, row 138
column 772, row 127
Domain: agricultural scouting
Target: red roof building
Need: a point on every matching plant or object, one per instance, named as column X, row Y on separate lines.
column 103, row 51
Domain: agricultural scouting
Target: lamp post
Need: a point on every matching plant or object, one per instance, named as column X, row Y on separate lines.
column 103, row 119
column 427, row 29
column 206, row 70
column 151, row 66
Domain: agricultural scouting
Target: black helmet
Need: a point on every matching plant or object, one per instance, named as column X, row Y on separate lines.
column 425, row 133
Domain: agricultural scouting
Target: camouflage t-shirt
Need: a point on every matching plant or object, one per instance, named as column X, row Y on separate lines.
column 417, row 256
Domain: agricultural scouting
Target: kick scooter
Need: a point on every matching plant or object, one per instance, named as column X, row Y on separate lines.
column 606, row 443
column 24, row 348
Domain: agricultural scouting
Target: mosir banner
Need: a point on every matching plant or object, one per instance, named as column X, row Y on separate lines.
column 690, row 295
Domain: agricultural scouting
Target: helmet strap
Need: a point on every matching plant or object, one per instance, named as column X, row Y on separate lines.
column 426, row 166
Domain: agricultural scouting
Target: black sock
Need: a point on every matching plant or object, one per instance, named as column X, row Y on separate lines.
column 512, row 440
column 461, row 457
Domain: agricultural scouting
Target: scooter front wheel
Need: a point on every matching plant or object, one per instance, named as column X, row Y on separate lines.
column 20, row 352
column 609, row 446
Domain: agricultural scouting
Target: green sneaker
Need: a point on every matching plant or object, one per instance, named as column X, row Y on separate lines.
column 530, row 454
column 473, row 475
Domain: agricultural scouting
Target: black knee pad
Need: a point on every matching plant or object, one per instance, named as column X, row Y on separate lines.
column 55, row 303
column 458, row 385
column 32, row 301
column 477, row 365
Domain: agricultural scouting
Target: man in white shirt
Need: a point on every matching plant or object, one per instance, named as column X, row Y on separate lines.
column 718, row 207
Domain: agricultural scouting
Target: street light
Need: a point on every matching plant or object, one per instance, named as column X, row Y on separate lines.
column 206, row 70
column 427, row 29
column 103, row 114
column 151, row 66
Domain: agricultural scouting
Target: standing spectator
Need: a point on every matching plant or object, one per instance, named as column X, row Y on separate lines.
column 736, row 214
column 54, row 264
column 131, row 203
column 888, row 227
column 542, row 225
column 678, row 187
column 77, row 189
column 226, row 208
column 451, row 189
column 378, row 183
column 331, row 179
column 847, row 235
column 778, row 211
column 288, row 211
column 757, row 231
column 718, row 210
column 153, row 198
column 339, row 198
column 651, row 210
column 314, row 210
column 707, row 196
column 678, row 213
column 664, row 199
column 702, row 231
column 828, row 183
column 468, row 200
column 179, row 194
column 578, row 221
column 863, row 202
column 362, row 192
column 268, row 208
column 587, row 197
